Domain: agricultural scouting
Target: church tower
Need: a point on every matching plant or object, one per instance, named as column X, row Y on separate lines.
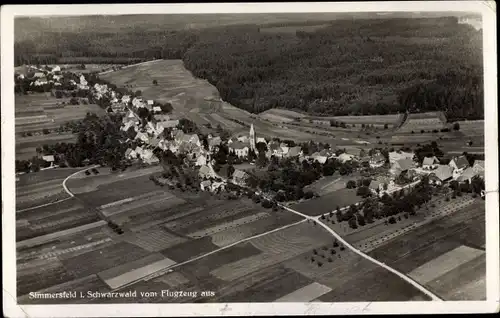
column 252, row 138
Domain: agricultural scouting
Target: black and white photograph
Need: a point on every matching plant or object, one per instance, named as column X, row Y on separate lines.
column 259, row 161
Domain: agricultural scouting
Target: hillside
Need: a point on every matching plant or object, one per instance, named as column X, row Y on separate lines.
column 342, row 67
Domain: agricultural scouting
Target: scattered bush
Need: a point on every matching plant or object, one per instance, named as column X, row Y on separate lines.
column 87, row 172
column 392, row 220
column 330, row 260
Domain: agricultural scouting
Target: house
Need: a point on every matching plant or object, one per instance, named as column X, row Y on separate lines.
column 479, row 167
column 401, row 166
column 206, row 172
column 294, row 152
column 430, row 163
column 157, row 109
column 243, row 139
column 459, row 163
column 150, row 102
column 261, row 139
column 50, row 159
column 398, row 155
column 375, row 187
column 239, row 148
column 467, row 174
column 441, row 174
column 38, row 74
column 169, row 123
column 125, row 99
column 139, row 151
column 318, row 157
column 344, row 157
column 130, row 154
column 142, row 136
column 377, row 160
column 284, row 148
column 214, row 143
column 205, row 185
column 149, row 157
column 201, row 160
column 218, row 186
column 240, row 177
column 161, row 117
column 56, row 68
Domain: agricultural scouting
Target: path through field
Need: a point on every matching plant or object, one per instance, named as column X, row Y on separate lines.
column 338, row 237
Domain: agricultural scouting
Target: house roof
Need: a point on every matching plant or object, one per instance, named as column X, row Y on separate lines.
column 215, row 141
column 294, row 151
column 240, row 174
column 430, row 161
column 49, row 158
column 206, row 183
column 443, row 172
column 374, row 184
column 397, row 155
column 353, row 151
column 169, row 123
column 467, row 174
column 479, row 165
column 377, row 157
column 404, row 164
column 261, row 139
column 238, row 145
column 461, row 162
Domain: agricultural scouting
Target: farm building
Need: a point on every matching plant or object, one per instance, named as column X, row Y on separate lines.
column 207, row 172
column 130, row 154
column 479, row 167
column 161, row 117
column 344, row 157
column 239, row 148
column 398, row 155
column 467, row 174
column 261, row 139
column 442, row 174
column 142, row 136
column 430, row 163
column 402, row 166
column 458, row 164
column 50, row 159
column 239, row 177
column 205, row 185
column 38, row 75
column 375, row 187
column 377, row 160
column 318, row 157
column 294, row 152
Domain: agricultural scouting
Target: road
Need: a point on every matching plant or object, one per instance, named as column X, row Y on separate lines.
column 339, row 238
column 71, row 195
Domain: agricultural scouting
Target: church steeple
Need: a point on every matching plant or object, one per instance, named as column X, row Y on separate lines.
column 252, row 138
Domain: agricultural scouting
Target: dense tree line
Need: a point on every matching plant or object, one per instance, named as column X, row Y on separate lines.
column 355, row 66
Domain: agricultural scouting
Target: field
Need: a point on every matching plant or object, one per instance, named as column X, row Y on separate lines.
column 328, row 202
column 293, row 29
column 454, row 243
column 43, row 187
column 277, row 267
column 40, row 111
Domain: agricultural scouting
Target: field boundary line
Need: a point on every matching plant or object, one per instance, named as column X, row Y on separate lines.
column 74, row 174
column 131, row 65
column 394, row 271
column 42, row 205
column 71, row 195
column 165, row 270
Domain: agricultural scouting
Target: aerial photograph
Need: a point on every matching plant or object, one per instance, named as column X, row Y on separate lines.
column 264, row 157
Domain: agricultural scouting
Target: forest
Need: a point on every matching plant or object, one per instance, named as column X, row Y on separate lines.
column 349, row 67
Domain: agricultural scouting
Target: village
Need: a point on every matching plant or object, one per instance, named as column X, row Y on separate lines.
column 218, row 160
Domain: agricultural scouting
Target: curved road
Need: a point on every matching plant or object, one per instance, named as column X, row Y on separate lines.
column 71, row 195
column 371, row 259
